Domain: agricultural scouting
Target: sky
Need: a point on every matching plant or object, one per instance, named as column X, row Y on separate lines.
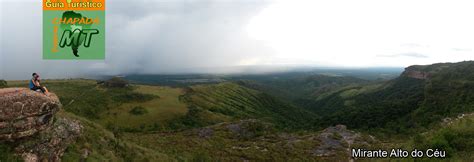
column 231, row 36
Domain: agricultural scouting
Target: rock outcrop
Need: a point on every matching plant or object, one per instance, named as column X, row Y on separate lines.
column 28, row 123
column 51, row 143
column 337, row 139
column 416, row 72
column 24, row 112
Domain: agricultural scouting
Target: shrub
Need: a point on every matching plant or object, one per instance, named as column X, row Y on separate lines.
column 3, row 83
column 254, row 128
column 138, row 110
column 116, row 82
column 7, row 153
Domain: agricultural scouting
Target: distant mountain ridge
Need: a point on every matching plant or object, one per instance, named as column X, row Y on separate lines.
column 420, row 96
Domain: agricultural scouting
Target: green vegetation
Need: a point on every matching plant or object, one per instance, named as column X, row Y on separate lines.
column 81, row 97
column 229, row 101
column 104, row 145
column 455, row 137
column 127, row 95
column 377, row 109
column 138, row 110
column 161, row 111
column 298, row 88
column 449, row 92
column 6, row 152
column 273, row 119
column 402, row 105
column 235, row 141
column 3, row 84
column 116, row 82
column 109, row 125
column 111, row 106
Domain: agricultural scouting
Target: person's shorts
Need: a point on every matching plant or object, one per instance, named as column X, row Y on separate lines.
column 36, row 88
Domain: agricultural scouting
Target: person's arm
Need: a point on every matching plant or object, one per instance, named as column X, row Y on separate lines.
column 36, row 82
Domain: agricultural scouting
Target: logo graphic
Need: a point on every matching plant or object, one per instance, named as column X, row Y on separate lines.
column 74, row 29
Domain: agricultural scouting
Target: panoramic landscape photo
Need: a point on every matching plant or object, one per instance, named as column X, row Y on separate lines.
column 233, row 80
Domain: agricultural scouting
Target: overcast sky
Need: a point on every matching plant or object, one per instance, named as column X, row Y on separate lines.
column 216, row 36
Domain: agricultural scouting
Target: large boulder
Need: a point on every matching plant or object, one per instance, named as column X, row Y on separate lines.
column 24, row 112
column 26, row 121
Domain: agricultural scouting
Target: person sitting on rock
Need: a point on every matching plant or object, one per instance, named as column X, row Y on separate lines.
column 35, row 84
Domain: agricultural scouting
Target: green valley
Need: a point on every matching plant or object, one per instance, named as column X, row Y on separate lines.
column 278, row 118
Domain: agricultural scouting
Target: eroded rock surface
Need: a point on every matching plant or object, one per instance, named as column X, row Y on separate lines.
column 28, row 124
column 24, row 112
column 416, row 72
column 51, row 143
column 337, row 139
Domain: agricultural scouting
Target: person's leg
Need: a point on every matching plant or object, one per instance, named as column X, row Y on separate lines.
column 45, row 91
column 42, row 89
column 35, row 88
column 38, row 88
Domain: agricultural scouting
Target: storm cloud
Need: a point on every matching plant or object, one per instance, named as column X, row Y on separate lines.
column 237, row 36
column 141, row 37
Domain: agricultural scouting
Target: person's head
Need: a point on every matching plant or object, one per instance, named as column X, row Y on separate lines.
column 35, row 75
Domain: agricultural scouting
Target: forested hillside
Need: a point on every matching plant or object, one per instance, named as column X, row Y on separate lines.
column 232, row 101
column 420, row 97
